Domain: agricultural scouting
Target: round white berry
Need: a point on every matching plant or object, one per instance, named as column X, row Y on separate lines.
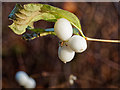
column 77, row 43
column 21, row 78
column 65, row 53
column 63, row 29
column 30, row 83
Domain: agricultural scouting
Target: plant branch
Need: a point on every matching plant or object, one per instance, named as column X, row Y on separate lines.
column 44, row 32
column 102, row 40
column 79, row 30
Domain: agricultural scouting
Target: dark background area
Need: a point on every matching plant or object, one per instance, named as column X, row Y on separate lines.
column 97, row 67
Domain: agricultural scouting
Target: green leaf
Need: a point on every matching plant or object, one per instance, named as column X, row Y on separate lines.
column 15, row 10
column 31, row 36
column 44, row 32
column 75, row 31
column 18, row 29
column 37, row 32
column 59, row 13
column 28, row 14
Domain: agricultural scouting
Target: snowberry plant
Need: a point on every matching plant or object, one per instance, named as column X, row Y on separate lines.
column 72, row 39
column 75, row 43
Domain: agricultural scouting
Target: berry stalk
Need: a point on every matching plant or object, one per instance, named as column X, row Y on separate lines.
column 102, row 40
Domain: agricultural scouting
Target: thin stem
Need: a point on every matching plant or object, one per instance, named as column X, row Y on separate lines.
column 102, row 40
column 51, row 31
column 81, row 33
column 79, row 30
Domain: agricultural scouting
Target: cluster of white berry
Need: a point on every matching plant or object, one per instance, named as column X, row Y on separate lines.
column 24, row 80
column 72, row 43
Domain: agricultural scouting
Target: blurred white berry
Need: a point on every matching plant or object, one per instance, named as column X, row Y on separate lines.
column 77, row 43
column 65, row 53
column 63, row 29
column 72, row 78
column 21, row 78
column 30, row 83
column 71, row 82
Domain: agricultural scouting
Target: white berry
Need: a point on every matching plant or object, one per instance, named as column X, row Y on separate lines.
column 63, row 29
column 30, row 84
column 77, row 43
column 65, row 53
column 21, row 78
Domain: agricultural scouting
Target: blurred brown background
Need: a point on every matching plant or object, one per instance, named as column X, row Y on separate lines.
column 97, row 67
